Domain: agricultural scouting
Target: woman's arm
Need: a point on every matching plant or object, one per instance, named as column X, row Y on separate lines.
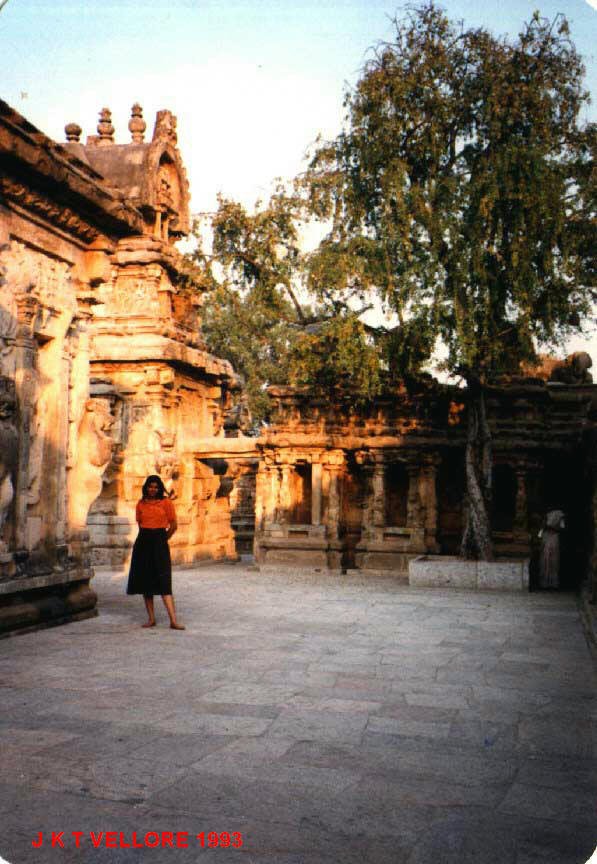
column 172, row 523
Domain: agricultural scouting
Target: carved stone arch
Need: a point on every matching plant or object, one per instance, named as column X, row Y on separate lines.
column 167, row 188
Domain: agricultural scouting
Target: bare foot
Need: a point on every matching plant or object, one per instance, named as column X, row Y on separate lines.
column 149, row 624
column 177, row 627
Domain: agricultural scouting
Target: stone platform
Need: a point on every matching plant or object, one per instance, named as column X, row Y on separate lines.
column 325, row 718
column 448, row 571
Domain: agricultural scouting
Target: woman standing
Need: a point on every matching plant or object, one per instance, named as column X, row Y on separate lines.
column 151, row 569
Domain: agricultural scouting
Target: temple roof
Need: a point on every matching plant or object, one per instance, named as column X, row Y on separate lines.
column 65, row 172
column 149, row 176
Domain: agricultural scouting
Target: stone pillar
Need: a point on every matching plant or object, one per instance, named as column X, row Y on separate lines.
column 271, row 483
column 316, row 488
column 379, row 499
column 374, row 511
column 261, row 499
column 284, row 496
column 62, row 437
column 428, row 496
column 521, row 512
column 25, row 385
column 413, row 502
column 333, row 511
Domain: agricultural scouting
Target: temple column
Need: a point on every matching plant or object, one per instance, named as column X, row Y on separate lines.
column 333, row 512
column 25, row 386
column 260, row 503
column 374, row 511
column 413, row 502
column 379, row 499
column 521, row 511
column 316, row 492
column 284, row 495
column 61, row 501
column 428, row 497
column 415, row 513
column 272, row 514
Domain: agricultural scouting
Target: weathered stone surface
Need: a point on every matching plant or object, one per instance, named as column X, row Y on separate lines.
column 104, row 377
column 429, row 571
column 227, row 727
column 375, row 488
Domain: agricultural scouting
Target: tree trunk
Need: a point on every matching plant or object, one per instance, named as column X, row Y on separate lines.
column 476, row 539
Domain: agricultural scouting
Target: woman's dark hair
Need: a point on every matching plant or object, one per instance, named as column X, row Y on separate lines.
column 154, row 478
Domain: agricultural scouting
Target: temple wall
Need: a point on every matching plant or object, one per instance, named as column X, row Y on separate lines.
column 162, row 414
column 386, row 484
column 104, row 377
column 48, row 438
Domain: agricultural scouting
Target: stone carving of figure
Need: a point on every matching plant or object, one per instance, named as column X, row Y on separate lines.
column 15, row 277
column 237, row 418
column 94, row 452
column 549, row 561
column 8, row 452
column 165, row 197
column 165, row 127
column 574, row 369
column 166, row 460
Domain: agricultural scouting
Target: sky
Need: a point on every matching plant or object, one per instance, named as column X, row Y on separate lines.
column 252, row 82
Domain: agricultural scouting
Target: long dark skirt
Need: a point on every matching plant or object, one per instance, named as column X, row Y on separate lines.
column 151, row 569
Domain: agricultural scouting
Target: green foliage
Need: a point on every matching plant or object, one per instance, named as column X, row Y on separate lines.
column 252, row 336
column 461, row 190
column 249, row 318
column 459, row 200
column 337, row 356
column 272, row 318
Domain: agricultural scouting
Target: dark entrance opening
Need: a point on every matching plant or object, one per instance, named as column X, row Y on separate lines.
column 300, row 491
column 503, row 504
column 450, row 499
column 396, row 487
column 353, row 493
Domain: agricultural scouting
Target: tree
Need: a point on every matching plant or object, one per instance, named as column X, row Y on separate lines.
column 262, row 317
column 461, row 192
column 249, row 317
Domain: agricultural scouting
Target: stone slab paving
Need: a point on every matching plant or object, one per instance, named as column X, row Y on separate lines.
column 324, row 718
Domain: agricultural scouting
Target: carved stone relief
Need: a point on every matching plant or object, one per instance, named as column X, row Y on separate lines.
column 8, row 452
column 94, row 452
column 58, row 214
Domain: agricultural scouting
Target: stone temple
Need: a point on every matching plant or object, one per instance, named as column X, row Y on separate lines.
column 105, row 379
column 104, row 376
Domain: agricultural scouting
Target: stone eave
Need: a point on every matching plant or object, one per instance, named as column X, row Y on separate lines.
column 226, row 448
column 427, row 439
column 29, row 157
column 109, row 347
column 142, row 250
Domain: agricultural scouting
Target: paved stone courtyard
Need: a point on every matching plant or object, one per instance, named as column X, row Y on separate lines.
column 326, row 719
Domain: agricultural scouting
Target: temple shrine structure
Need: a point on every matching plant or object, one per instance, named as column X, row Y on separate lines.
column 104, row 376
column 374, row 488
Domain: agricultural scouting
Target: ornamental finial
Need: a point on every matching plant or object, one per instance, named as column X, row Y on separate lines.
column 105, row 129
column 137, row 124
column 73, row 132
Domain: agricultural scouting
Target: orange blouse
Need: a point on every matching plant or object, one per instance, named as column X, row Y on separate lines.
column 155, row 513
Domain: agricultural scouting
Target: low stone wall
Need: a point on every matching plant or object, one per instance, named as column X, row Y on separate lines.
column 438, row 571
column 32, row 602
